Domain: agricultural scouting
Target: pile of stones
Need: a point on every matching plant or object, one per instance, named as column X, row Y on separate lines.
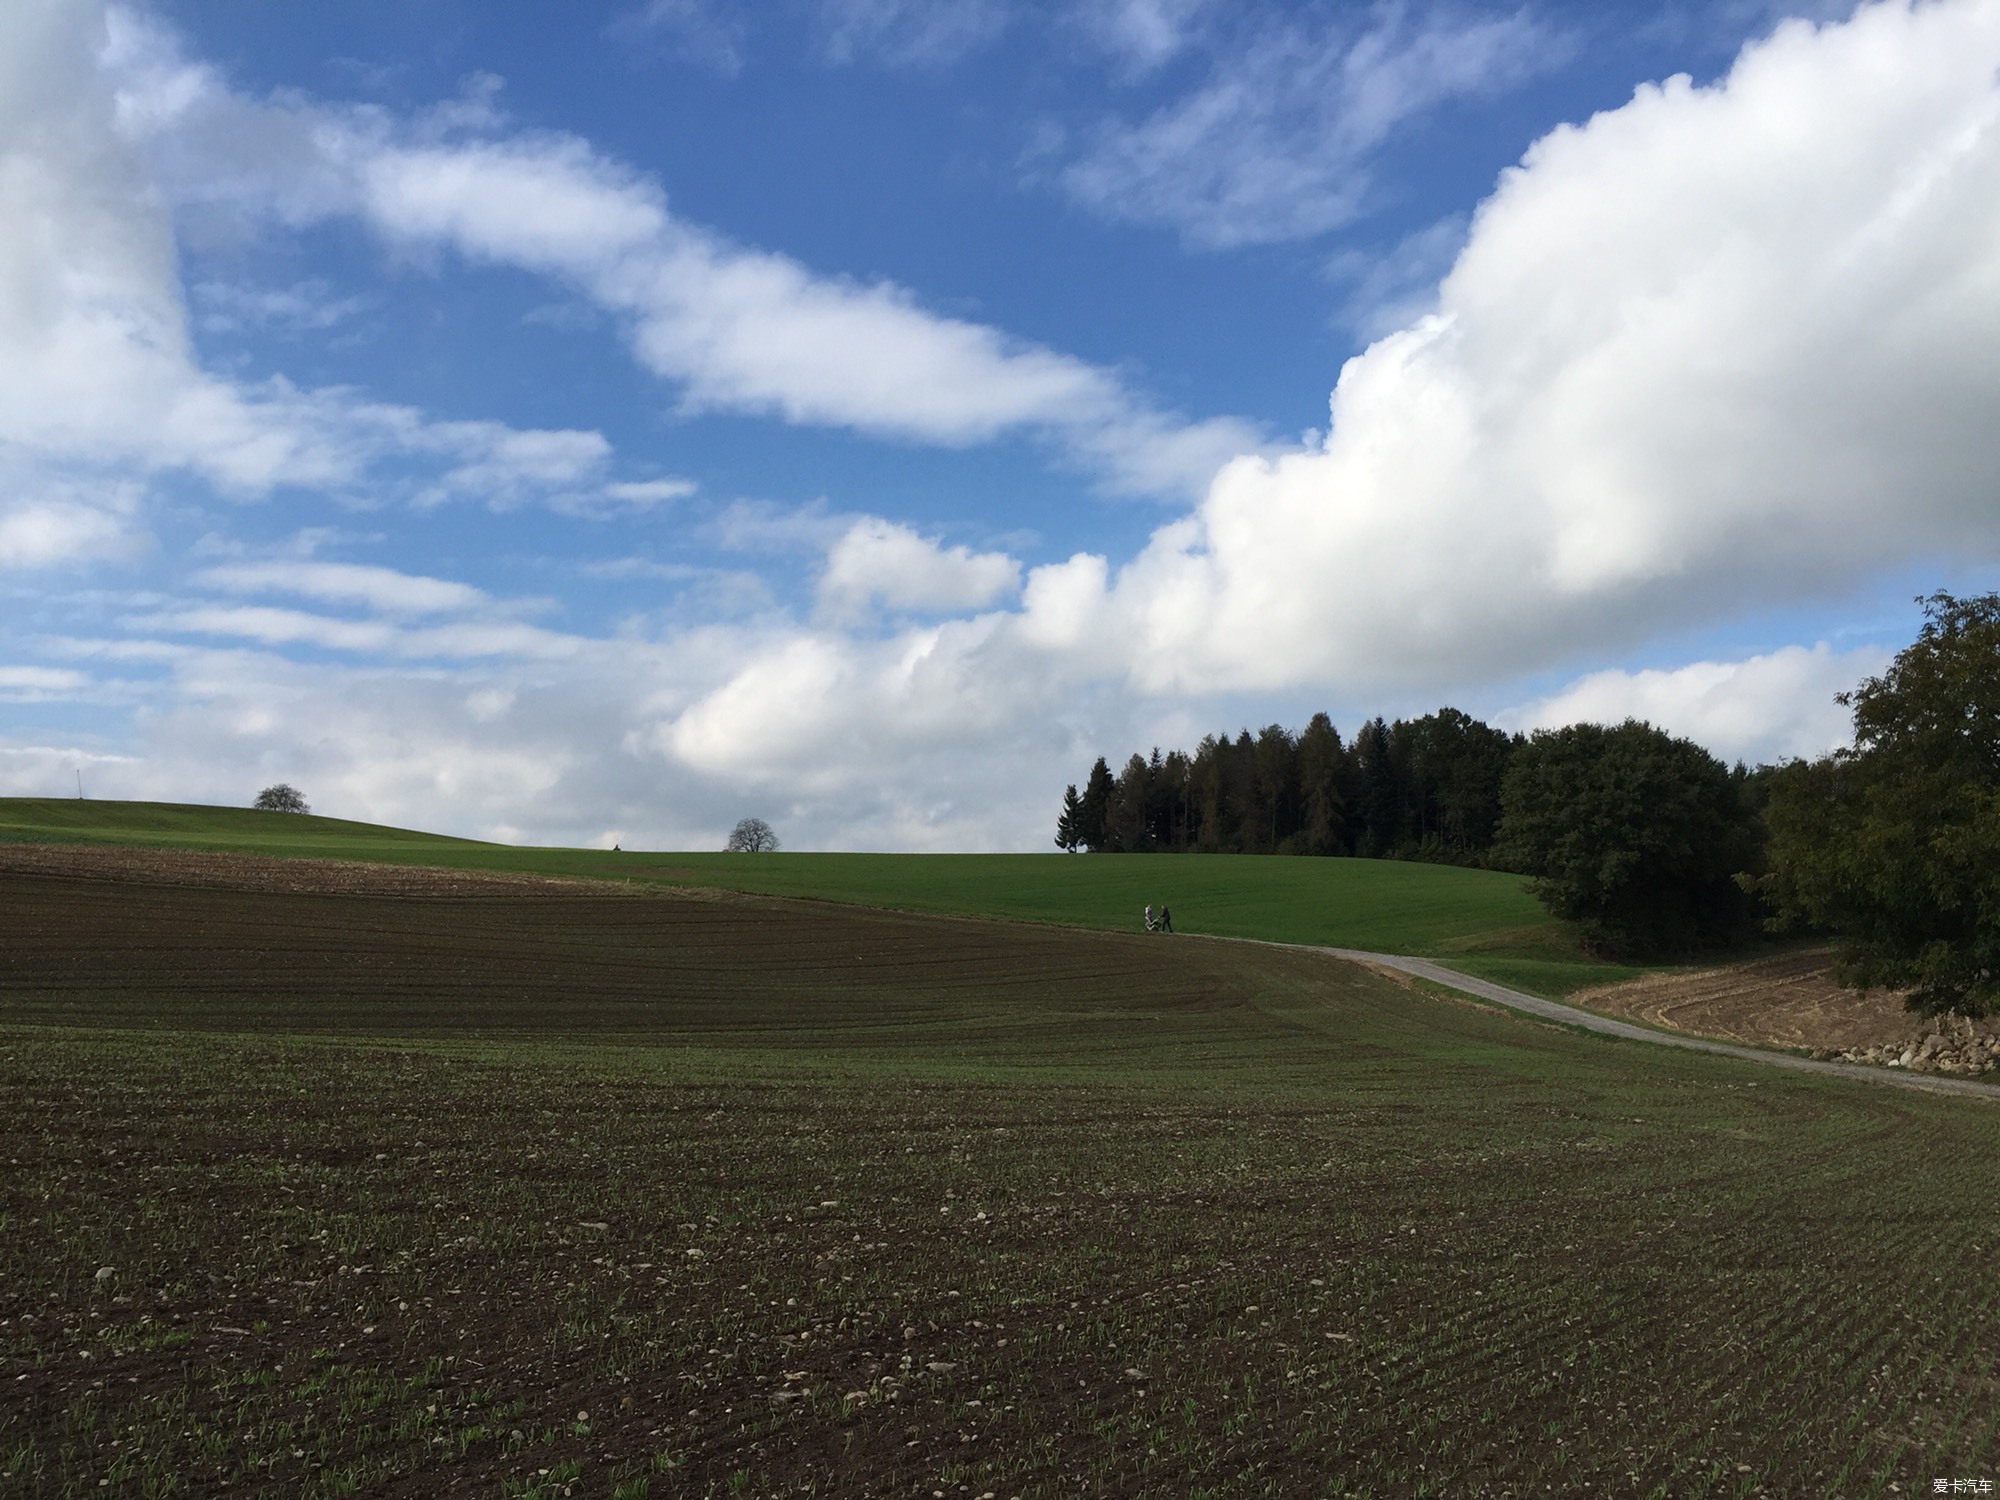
column 1957, row 1047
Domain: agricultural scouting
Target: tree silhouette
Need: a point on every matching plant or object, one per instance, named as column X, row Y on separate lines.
column 284, row 797
column 1068, row 834
column 1095, row 806
column 751, row 836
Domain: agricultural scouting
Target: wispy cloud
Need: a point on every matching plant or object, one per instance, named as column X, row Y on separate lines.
column 711, row 34
column 736, row 329
column 271, row 626
column 303, row 307
column 1140, row 35
column 649, row 492
column 910, row 33
column 1276, row 143
column 36, row 684
column 720, row 34
column 101, row 387
column 346, row 583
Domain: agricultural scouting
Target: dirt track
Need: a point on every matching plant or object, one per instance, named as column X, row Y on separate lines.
column 1570, row 1015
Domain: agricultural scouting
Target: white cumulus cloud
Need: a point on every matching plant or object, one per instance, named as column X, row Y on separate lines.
column 1760, row 710
column 879, row 562
column 1718, row 351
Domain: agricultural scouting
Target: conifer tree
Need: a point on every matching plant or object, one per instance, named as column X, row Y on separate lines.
column 1322, row 808
column 1067, row 835
column 1096, row 804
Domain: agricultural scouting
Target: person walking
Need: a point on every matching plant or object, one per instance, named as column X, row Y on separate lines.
column 1166, row 919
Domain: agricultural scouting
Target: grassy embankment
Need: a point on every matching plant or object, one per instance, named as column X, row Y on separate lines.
column 570, row 1194
column 1478, row 920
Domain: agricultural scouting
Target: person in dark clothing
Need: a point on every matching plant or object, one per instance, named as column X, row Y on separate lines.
column 1166, row 919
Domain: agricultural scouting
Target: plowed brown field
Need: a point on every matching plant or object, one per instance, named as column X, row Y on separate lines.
column 218, row 941
column 258, row 872
column 1787, row 1001
column 338, row 1180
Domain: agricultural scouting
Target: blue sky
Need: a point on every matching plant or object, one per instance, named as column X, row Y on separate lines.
column 601, row 423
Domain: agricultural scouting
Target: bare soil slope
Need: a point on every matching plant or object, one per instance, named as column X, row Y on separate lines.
column 227, row 870
column 1791, row 1000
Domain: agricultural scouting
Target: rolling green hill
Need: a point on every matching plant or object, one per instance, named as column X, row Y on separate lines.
column 186, row 825
column 1480, row 920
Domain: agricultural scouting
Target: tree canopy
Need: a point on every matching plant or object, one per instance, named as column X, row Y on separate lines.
column 1632, row 834
column 1424, row 788
column 282, row 797
column 1894, row 844
column 751, row 836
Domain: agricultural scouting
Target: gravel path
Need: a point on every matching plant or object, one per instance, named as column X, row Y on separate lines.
column 1570, row 1015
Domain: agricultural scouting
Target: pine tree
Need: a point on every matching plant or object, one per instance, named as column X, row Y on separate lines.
column 1381, row 795
column 1125, row 826
column 1096, row 804
column 1323, row 810
column 1067, row 836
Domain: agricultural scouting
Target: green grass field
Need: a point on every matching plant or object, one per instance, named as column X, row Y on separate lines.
column 1479, row 920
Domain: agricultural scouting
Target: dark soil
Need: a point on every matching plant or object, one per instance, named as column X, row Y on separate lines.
column 448, row 1190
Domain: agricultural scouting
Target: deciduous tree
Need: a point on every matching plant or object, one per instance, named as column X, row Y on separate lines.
column 1634, row 835
column 1895, row 844
column 751, row 836
column 284, row 797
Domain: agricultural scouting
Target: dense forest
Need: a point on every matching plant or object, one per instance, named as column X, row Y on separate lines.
column 1424, row 788
column 1645, row 841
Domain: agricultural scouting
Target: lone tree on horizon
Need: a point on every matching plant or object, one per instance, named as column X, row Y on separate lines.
column 751, row 836
column 284, row 797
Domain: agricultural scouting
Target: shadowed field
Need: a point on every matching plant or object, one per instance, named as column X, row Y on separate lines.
column 471, row 956
column 1480, row 920
column 467, row 1187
